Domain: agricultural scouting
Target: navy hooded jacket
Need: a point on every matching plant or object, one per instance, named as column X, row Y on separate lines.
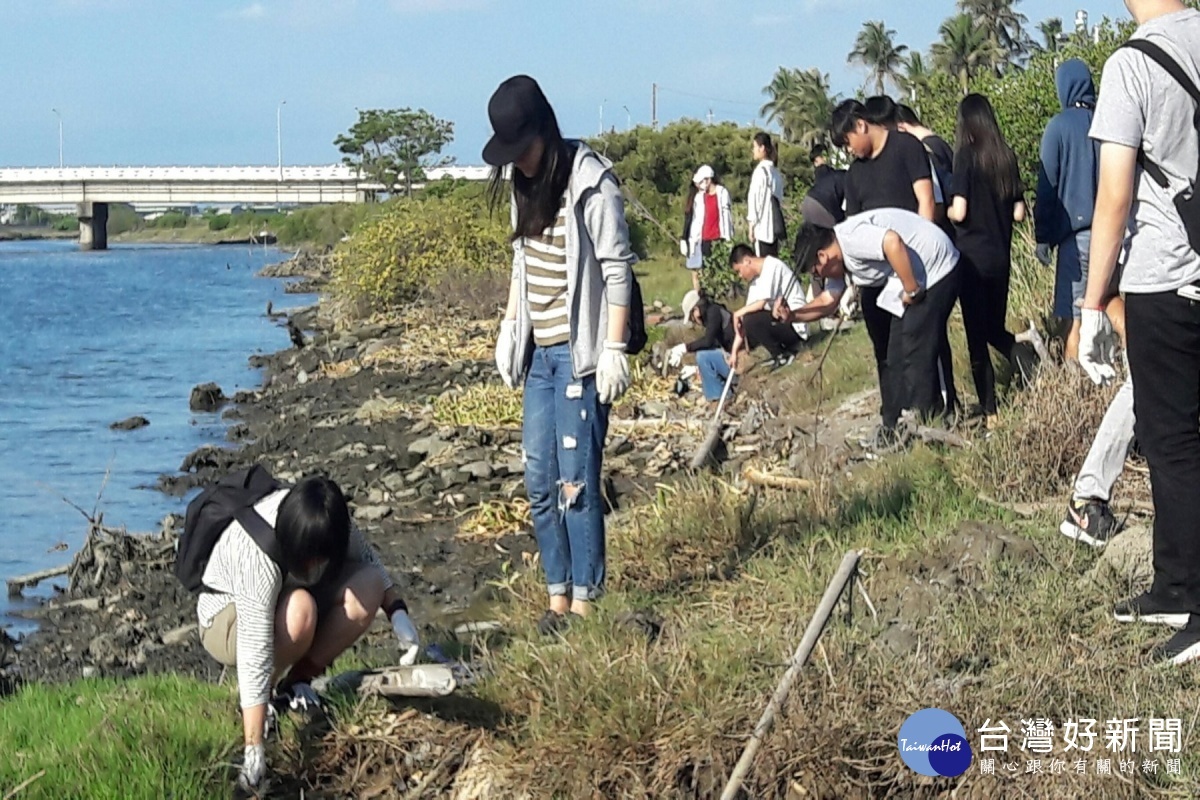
column 1066, row 191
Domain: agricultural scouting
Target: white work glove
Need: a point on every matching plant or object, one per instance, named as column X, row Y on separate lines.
column 406, row 633
column 254, row 767
column 675, row 357
column 1096, row 346
column 683, row 248
column 1043, row 254
column 506, row 346
column 612, row 373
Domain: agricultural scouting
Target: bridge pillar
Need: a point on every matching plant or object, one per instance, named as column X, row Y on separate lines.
column 93, row 226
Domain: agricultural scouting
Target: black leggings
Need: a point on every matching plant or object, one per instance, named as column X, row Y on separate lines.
column 984, row 298
column 779, row 338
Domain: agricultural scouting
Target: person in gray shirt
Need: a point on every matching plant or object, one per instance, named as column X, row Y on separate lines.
column 1142, row 108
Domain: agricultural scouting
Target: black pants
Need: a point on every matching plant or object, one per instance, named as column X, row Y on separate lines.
column 761, row 329
column 764, row 249
column 879, row 328
column 984, row 297
column 914, row 351
column 1163, row 333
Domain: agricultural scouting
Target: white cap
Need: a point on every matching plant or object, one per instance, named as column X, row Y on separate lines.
column 704, row 172
column 690, row 301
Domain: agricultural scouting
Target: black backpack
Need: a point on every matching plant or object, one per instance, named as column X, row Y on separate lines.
column 637, row 317
column 209, row 514
column 1187, row 202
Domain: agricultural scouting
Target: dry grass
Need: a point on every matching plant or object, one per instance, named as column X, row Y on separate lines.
column 496, row 518
column 484, row 405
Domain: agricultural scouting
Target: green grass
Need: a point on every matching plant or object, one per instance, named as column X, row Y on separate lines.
column 663, row 278
column 153, row 737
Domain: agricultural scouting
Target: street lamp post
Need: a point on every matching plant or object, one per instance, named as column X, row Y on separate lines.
column 60, row 149
column 628, row 118
column 279, row 134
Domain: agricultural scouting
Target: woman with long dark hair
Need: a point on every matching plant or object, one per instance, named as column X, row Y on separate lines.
column 987, row 199
column 764, row 202
column 564, row 332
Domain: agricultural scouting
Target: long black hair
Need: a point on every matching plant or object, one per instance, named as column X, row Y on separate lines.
column 977, row 134
column 539, row 198
column 764, row 139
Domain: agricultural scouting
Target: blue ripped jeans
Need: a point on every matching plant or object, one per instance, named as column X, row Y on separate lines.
column 563, row 430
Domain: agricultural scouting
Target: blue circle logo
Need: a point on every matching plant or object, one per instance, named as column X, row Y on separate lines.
column 933, row 742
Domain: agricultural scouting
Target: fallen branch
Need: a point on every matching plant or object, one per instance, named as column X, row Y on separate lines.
column 760, row 478
column 15, row 585
column 927, row 434
column 844, row 574
column 20, row 787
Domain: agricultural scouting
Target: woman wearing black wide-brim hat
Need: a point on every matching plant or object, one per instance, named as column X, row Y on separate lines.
column 564, row 332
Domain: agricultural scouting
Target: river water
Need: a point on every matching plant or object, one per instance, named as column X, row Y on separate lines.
column 87, row 339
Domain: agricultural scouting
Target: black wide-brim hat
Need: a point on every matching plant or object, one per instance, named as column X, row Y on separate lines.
column 519, row 112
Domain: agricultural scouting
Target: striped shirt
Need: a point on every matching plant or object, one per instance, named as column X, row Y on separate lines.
column 546, row 282
column 239, row 572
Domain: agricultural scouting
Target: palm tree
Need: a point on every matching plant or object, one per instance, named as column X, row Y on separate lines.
column 1050, row 29
column 800, row 102
column 1005, row 26
column 916, row 75
column 875, row 49
column 965, row 48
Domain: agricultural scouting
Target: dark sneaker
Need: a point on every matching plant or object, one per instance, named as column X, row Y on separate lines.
column 1090, row 522
column 553, row 622
column 779, row 362
column 1148, row 608
column 883, row 440
column 1024, row 363
column 1181, row 648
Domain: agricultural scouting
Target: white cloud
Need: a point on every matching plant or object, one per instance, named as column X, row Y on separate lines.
column 252, row 11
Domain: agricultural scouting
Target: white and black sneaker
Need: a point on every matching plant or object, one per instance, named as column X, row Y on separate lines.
column 1182, row 648
column 1090, row 522
column 1148, row 608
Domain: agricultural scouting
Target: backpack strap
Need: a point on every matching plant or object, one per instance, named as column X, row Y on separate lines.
column 262, row 533
column 1159, row 56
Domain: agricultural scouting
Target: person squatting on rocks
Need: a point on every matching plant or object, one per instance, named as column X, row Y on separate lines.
column 707, row 218
column 564, row 331
column 268, row 625
column 1066, row 195
column 1145, row 117
column 764, row 201
column 915, row 263
column 987, row 200
column 712, row 347
column 769, row 280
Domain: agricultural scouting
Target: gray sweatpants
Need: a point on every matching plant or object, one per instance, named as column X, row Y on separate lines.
column 1106, row 459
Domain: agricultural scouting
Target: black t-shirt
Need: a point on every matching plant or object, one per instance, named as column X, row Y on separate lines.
column 886, row 181
column 985, row 236
column 718, row 330
column 829, row 189
column 943, row 157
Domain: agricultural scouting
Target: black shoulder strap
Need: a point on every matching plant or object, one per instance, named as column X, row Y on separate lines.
column 1159, row 56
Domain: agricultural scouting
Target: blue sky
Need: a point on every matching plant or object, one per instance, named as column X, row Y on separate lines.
column 171, row 82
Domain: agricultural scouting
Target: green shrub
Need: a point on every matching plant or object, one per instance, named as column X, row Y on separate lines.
column 171, row 219
column 413, row 244
column 65, row 223
column 219, row 222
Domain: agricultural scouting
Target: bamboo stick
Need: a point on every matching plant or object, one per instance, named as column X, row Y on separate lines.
column 845, row 573
column 15, row 585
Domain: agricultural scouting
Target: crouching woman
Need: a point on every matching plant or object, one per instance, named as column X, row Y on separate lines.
column 564, row 332
column 269, row 625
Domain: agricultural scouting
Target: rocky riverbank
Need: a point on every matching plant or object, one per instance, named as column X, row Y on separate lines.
column 407, row 414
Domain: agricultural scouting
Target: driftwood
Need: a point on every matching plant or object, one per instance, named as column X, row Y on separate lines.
column 845, row 573
column 760, row 478
column 421, row 680
column 98, row 565
column 15, row 585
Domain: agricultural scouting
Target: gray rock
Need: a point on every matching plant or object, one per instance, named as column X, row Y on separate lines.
column 620, row 445
column 375, row 496
column 372, row 513
column 452, row 477
column 408, row 494
column 131, row 424
column 417, row 475
column 654, row 409
column 301, row 377
column 515, row 466
column 480, row 470
column 353, row 450
column 430, row 446
column 393, row 482
column 207, row 397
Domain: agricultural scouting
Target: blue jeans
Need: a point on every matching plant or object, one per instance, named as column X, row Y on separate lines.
column 714, row 370
column 564, row 428
column 1070, row 279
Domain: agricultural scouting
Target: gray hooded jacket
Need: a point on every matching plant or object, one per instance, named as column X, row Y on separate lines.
column 599, row 264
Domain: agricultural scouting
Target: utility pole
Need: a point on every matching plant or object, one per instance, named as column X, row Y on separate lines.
column 654, row 106
column 60, row 156
column 602, row 102
column 279, row 134
column 710, row 116
column 628, row 119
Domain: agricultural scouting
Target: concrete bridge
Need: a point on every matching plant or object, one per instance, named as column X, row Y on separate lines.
column 91, row 189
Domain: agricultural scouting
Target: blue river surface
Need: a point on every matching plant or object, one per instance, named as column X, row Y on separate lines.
column 87, row 339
